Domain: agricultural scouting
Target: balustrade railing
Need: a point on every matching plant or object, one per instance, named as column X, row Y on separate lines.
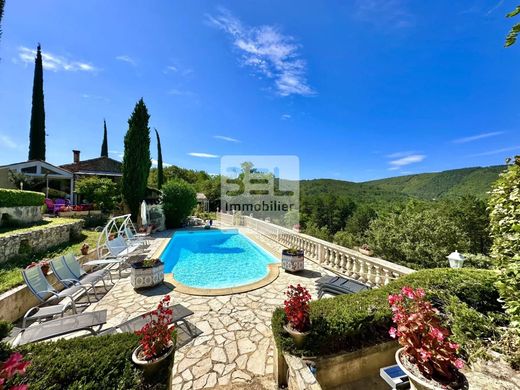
column 370, row 270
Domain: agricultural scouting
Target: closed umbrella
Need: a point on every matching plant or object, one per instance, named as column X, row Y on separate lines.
column 144, row 216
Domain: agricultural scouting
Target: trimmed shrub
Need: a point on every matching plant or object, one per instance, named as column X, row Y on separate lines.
column 102, row 362
column 15, row 198
column 103, row 192
column 351, row 322
column 179, row 199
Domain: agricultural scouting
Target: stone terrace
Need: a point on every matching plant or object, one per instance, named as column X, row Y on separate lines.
column 236, row 345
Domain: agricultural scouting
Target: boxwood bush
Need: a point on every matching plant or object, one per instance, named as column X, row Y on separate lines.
column 102, row 362
column 351, row 322
column 14, row 198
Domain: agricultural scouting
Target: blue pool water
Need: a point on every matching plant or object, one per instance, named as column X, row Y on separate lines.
column 215, row 259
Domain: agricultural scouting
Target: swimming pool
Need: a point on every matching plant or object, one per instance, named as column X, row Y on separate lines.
column 215, row 259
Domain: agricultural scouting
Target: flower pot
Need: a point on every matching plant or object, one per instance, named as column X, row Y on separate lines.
column 418, row 382
column 366, row 252
column 293, row 262
column 151, row 367
column 298, row 337
column 141, row 277
column 84, row 249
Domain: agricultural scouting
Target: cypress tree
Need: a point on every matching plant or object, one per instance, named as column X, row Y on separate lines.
column 104, row 145
column 37, row 132
column 160, row 173
column 2, row 3
column 136, row 158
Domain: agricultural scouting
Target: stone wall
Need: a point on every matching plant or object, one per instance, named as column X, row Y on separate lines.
column 299, row 375
column 20, row 214
column 34, row 241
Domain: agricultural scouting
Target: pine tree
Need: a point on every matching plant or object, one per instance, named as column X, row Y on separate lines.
column 160, row 173
column 37, row 132
column 104, row 145
column 136, row 158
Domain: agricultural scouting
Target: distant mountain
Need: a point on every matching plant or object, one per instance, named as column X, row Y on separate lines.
column 475, row 181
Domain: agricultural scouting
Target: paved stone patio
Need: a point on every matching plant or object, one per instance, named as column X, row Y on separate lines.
column 236, row 345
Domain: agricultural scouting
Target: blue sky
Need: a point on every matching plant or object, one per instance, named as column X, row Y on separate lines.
column 357, row 90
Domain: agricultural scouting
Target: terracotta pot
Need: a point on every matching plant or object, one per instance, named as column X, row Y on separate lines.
column 366, row 252
column 298, row 337
column 84, row 249
column 419, row 383
column 151, row 367
column 45, row 269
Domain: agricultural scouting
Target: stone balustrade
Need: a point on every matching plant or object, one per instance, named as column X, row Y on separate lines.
column 370, row 270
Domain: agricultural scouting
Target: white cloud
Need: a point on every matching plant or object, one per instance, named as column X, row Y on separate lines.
column 155, row 163
column 54, row 62
column 171, row 68
column 118, row 155
column 127, row 59
column 384, row 14
column 7, row 142
column 203, row 155
column 225, row 138
column 407, row 160
column 496, row 151
column 286, row 116
column 399, row 154
column 270, row 53
column 94, row 97
column 180, row 92
column 476, row 137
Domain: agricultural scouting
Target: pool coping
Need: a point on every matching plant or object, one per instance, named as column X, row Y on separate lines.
column 272, row 275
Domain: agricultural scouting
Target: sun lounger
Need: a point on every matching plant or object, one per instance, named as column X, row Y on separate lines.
column 75, row 267
column 119, row 248
column 45, row 293
column 62, row 326
column 68, row 279
column 338, row 285
column 180, row 313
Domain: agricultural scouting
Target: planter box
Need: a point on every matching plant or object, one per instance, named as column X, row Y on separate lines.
column 293, row 262
column 142, row 277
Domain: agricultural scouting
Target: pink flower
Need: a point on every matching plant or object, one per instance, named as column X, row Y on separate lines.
column 420, row 293
column 454, row 346
column 459, row 363
column 408, row 292
column 393, row 299
column 425, row 355
column 437, row 334
column 392, row 332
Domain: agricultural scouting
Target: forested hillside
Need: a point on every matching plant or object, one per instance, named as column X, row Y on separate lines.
column 467, row 181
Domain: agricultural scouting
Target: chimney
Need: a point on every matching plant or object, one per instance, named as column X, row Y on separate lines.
column 76, row 156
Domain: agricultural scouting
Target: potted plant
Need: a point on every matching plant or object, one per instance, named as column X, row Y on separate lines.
column 427, row 355
column 293, row 259
column 84, row 249
column 147, row 273
column 365, row 250
column 296, row 308
column 44, row 265
column 157, row 339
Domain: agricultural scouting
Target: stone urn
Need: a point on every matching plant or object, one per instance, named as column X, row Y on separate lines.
column 147, row 273
column 418, row 382
column 152, row 367
column 293, row 260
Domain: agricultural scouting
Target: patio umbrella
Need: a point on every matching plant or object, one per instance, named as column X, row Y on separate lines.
column 144, row 216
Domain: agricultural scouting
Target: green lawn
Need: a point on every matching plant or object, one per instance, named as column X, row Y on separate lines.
column 10, row 275
column 43, row 224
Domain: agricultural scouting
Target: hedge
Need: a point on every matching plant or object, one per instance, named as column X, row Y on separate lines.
column 102, row 362
column 14, row 198
column 351, row 322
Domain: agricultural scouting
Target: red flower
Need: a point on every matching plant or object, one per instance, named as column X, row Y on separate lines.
column 12, row 366
column 393, row 332
column 296, row 307
column 156, row 335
